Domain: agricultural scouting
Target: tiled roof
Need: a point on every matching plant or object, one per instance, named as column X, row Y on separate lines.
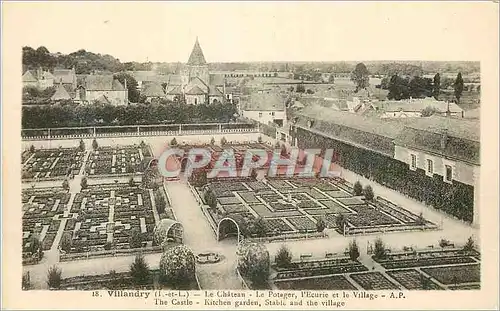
column 99, row 82
column 174, row 80
column 47, row 75
column 60, row 93
column 103, row 99
column 216, row 79
column 214, row 91
column 29, row 77
column 443, row 140
column 64, row 75
column 153, row 89
column 263, row 102
column 197, row 58
column 195, row 90
column 473, row 113
column 174, row 90
column 460, row 128
column 417, row 105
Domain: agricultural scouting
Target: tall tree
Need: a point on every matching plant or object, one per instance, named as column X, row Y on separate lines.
column 436, row 85
column 459, row 86
column 133, row 93
column 360, row 76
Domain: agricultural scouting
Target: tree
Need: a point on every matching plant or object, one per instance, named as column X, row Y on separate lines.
column 331, row 78
column 142, row 144
column 94, row 144
column 223, row 141
column 398, row 88
column 132, row 86
column 139, row 270
column 66, row 242
column 26, row 281
column 469, row 246
column 340, row 222
column 259, row 139
column 353, row 250
column 160, row 202
column 380, row 251
column 212, row 141
column 210, row 198
column 54, row 277
column 177, row 267
column 443, row 243
column 173, row 142
column 368, row 193
column 81, row 146
column 35, row 247
column 420, row 220
column 309, row 91
column 283, row 257
column 131, row 181
column 83, row 183
column 361, row 77
column 300, row 88
column 254, row 264
column 32, row 149
column 259, row 227
column 357, row 189
column 65, row 184
column 458, row 86
column 436, row 85
column 284, row 151
column 428, row 111
column 320, row 225
column 135, row 240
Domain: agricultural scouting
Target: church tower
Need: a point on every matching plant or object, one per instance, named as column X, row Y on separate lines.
column 196, row 66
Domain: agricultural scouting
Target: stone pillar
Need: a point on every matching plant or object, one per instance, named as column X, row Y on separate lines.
column 180, row 129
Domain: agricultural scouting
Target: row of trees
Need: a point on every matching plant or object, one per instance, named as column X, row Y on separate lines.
column 61, row 115
column 419, row 87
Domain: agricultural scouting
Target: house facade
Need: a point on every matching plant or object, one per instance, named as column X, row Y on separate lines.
column 104, row 89
column 38, row 78
column 265, row 108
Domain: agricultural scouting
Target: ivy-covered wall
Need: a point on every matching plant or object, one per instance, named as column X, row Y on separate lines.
column 456, row 199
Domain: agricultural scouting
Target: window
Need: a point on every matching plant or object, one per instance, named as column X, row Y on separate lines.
column 413, row 164
column 430, row 167
column 260, row 114
column 196, row 101
column 272, row 113
column 449, row 173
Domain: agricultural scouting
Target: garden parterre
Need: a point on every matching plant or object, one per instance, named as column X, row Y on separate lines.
column 119, row 160
column 52, row 163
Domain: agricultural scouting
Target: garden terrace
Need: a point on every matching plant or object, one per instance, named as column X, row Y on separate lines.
column 48, row 164
column 455, row 275
column 42, row 213
column 295, row 206
column 310, row 268
column 334, row 282
column 105, row 216
column 427, row 258
column 373, row 281
column 120, row 160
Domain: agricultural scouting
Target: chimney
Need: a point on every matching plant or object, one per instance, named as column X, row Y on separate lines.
column 39, row 73
column 444, row 138
column 448, row 112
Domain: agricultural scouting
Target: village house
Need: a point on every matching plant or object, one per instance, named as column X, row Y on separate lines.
column 265, row 108
column 38, row 78
column 412, row 108
column 66, row 77
column 104, row 89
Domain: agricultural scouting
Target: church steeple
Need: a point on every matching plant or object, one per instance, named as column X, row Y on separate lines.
column 197, row 58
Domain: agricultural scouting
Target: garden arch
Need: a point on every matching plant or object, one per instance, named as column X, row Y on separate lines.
column 224, row 223
column 174, row 230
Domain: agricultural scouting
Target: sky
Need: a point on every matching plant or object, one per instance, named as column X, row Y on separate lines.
column 256, row 31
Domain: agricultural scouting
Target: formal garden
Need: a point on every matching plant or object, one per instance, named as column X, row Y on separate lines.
column 346, row 272
column 117, row 160
column 296, row 208
column 50, row 164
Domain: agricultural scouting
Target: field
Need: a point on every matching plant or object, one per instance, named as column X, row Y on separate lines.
column 295, row 207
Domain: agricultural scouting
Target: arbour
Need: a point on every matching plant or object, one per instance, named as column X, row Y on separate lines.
column 227, row 220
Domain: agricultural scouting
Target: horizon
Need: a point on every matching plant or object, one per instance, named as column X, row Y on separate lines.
column 251, row 32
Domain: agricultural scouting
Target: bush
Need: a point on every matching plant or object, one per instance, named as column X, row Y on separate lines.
column 340, row 221
column 81, row 146
column 26, row 281
column 66, row 242
column 54, row 277
column 212, row 141
column 160, row 202
column 353, row 250
column 469, row 246
column 131, row 181
column 135, row 240
column 368, row 193
column 357, row 189
column 107, row 246
column 320, row 225
column 380, row 251
column 223, row 141
column 95, row 145
column 83, row 183
column 173, row 142
column 65, row 184
column 139, row 270
column 177, row 267
column 283, row 258
column 259, row 139
column 443, row 243
column 420, row 220
column 32, row 149
column 259, row 227
column 254, row 264
column 142, row 144
column 210, row 198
